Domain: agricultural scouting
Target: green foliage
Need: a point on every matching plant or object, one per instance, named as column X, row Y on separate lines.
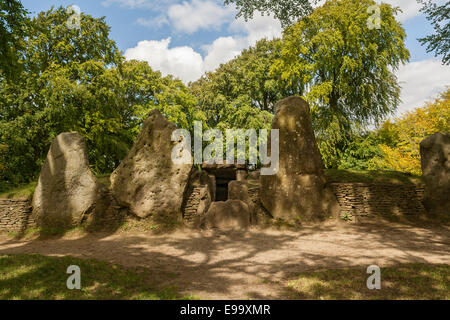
column 395, row 146
column 360, row 151
column 400, row 140
column 13, row 21
column 76, row 80
column 439, row 42
column 287, row 11
column 242, row 93
column 346, row 216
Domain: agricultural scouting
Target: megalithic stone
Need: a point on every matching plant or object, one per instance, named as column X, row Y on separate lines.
column 67, row 191
column 147, row 181
column 435, row 162
column 297, row 192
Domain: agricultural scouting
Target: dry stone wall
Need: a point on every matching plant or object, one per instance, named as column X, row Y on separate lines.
column 358, row 199
column 192, row 203
column 15, row 215
column 363, row 199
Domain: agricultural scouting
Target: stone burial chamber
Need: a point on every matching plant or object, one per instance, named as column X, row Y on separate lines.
column 148, row 184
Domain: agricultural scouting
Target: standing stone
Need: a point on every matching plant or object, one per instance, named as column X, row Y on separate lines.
column 297, row 192
column 238, row 190
column 228, row 215
column 435, row 161
column 67, row 190
column 147, row 181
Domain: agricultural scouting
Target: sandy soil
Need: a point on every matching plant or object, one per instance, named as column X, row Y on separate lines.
column 251, row 264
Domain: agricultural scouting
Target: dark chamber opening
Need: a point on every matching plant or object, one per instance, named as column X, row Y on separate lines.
column 222, row 189
column 223, row 174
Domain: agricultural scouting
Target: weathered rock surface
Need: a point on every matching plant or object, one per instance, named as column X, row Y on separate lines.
column 67, row 190
column 228, row 215
column 298, row 191
column 198, row 198
column 435, row 161
column 147, row 181
column 238, row 190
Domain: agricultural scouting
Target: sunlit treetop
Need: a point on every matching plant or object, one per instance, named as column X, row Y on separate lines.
column 286, row 11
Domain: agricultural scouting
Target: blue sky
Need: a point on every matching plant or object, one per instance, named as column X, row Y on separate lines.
column 187, row 38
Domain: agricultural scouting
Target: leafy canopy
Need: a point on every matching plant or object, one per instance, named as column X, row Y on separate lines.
column 402, row 152
column 344, row 69
column 76, row 80
column 242, row 93
column 286, row 11
column 439, row 42
column 395, row 146
column 13, row 20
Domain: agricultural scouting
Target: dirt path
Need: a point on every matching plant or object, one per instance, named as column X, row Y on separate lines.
column 251, row 264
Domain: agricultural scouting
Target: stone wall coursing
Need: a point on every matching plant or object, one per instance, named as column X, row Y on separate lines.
column 358, row 199
column 191, row 205
column 363, row 199
column 15, row 215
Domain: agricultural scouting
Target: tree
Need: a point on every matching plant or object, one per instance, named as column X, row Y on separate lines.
column 13, row 19
column 439, row 42
column 76, row 80
column 401, row 150
column 286, row 11
column 243, row 86
column 345, row 70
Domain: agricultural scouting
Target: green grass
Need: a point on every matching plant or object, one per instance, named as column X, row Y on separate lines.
column 104, row 179
column 412, row 281
column 26, row 191
column 348, row 176
column 28, row 277
column 21, row 192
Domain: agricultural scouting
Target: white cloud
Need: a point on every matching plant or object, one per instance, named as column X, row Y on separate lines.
column 158, row 21
column 129, row 3
column 257, row 28
column 190, row 17
column 188, row 65
column 222, row 50
column 410, row 8
column 422, row 81
column 183, row 62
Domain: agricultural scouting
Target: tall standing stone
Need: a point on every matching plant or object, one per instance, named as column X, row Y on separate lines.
column 147, row 181
column 435, row 161
column 297, row 191
column 67, row 191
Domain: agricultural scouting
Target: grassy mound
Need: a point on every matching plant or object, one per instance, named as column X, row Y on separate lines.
column 350, row 176
column 332, row 175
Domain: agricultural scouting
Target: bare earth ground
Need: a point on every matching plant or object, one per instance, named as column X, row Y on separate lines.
column 253, row 264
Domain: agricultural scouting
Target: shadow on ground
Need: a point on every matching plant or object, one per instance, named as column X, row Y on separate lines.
column 254, row 264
